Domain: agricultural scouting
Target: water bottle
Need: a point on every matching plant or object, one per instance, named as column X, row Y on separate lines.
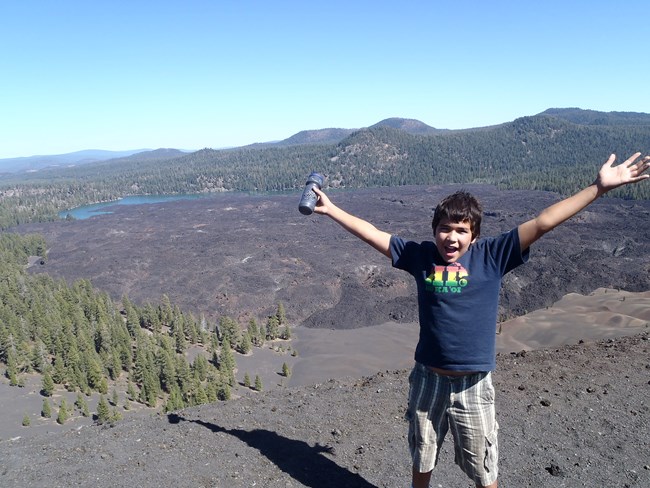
column 309, row 197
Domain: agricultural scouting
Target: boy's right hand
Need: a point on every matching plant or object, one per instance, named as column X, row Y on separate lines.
column 323, row 204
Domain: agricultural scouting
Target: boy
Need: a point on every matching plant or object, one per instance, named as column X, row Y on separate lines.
column 458, row 280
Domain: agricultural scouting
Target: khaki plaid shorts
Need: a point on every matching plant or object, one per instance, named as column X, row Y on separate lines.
column 462, row 404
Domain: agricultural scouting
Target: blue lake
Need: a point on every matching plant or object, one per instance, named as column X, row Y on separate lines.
column 88, row 211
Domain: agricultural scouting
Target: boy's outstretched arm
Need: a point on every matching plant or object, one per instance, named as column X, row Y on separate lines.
column 609, row 177
column 365, row 231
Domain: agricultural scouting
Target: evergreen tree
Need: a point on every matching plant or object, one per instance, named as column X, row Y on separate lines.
column 26, row 421
column 167, row 370
column 115, row 415
column 258, row 383
column 114, row 398
column 178, row 331
column 47, row 385
column 255, row 334
column 223, row 390
column 229, row 330
column 247, row 380
column 200, row 367
column 46, row 410
column 132, row 316
column 174, row 401
column 286, row 372
column 286, row 333
column 245, row 344
column 200, row 396
column 63, row 412
column 166, row 311
column 130, row 391
column 39, row 356
column 281, row 314
column 82, row 405
column 183, row 375
column 103, row 410
column 272, row 328
column 12, row 367
column 103, row 385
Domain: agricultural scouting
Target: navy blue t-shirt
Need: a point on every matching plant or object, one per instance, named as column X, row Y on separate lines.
column 458, row 302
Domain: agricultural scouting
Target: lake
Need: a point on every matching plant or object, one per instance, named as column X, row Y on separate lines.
column 87, row 211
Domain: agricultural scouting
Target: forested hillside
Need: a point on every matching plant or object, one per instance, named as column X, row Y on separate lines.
column 76, row 337
column 542, row 152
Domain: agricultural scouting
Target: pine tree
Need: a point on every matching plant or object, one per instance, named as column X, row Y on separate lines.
column 286, row 333
column 103, row 410
column 272, row 328
column 223, row 390
column 48, row 385
column 12, row 367
column 258, row 383
column 114, row 398
column 130, row 391
column 247, row 381
column 174, row 401
column 63, row 412
column 46, row 410
column 245, row 344
column 200, row 396
column 227, row 363
column 115, row 415
column 286, row 372
column 254, row 333
column 200, row 367
column 281, row 314
column 82, row 405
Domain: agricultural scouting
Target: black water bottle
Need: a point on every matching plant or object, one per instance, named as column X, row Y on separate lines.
column 309, row 197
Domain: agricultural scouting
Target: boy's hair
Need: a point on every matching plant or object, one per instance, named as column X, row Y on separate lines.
column 461, row 206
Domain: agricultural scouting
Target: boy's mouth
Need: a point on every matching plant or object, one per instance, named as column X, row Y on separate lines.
column 450, row 251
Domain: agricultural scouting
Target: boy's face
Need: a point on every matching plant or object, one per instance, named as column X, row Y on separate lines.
column 453, row 239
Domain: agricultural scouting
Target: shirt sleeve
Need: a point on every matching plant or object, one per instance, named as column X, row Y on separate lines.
column 505, row 250
column 403, row 253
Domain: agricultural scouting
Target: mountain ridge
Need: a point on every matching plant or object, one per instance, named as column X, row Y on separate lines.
column 322, row 136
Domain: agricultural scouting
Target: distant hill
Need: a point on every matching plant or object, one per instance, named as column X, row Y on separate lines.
column 36, row 163
column 593, row 117
column 334, row 136
column 410, row 126
column 320, row 136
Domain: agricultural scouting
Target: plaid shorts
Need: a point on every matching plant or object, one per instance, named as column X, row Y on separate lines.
column 464, row 404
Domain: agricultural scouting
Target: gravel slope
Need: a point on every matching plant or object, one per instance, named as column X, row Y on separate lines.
column 570, row 417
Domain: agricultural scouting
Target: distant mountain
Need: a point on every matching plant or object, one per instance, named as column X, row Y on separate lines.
column 320, row 136
column 593, row 117
column 411, row 126
column 334, row 136
column 157, row 154
column 35, row 163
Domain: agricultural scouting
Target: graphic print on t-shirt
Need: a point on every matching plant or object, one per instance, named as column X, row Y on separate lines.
column 451, row 278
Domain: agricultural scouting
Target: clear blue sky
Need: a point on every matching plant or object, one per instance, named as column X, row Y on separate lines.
column 190, row 74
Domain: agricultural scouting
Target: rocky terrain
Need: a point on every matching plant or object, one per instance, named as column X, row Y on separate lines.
column 240, row 255
column 570, row 415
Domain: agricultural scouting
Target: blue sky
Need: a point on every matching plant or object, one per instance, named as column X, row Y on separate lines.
column 190, row 74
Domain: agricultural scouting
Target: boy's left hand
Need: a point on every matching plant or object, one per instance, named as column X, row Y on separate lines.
column 630, row 171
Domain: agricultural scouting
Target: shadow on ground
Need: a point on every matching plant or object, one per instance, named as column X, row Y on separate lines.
column 304, row 463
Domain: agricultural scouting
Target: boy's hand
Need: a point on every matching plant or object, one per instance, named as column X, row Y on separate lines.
column 323, row 204
column 630, row 171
